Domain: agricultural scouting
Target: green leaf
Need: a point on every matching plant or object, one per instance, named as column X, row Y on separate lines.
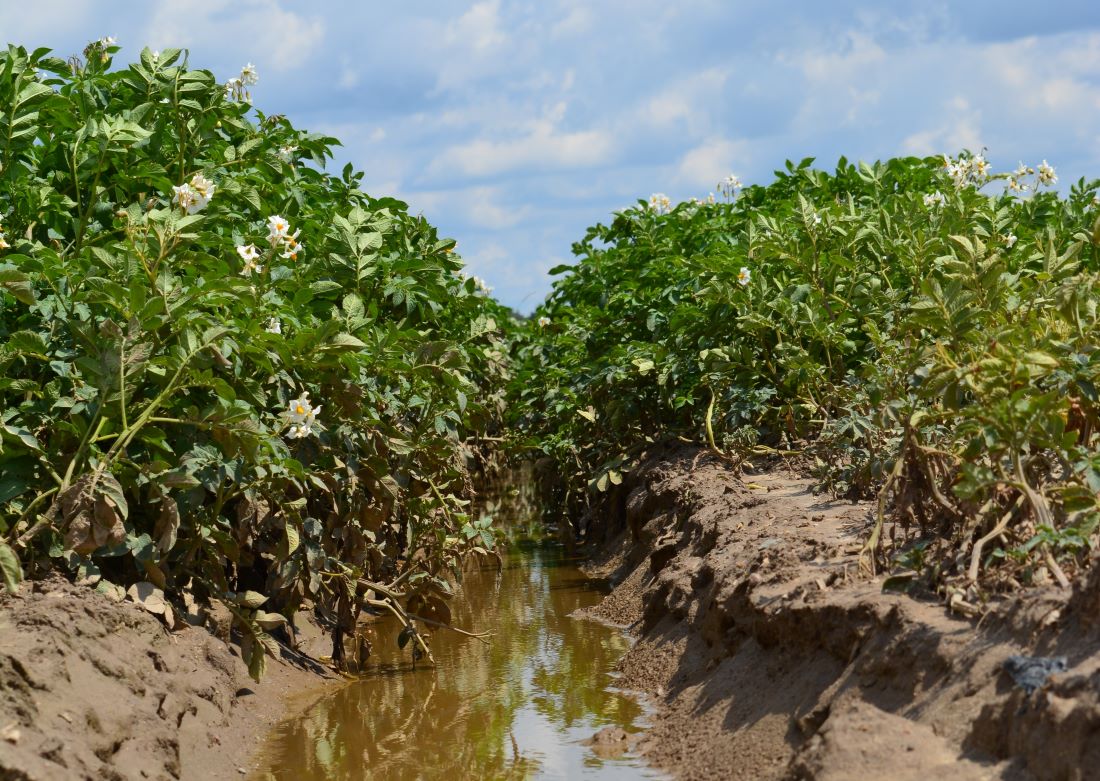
column 17, row 434
column 109, row 485
column 346, row 342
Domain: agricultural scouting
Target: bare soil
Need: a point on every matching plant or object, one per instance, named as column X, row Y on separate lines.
column 93, row 689
column 768, row 656
column 766, row 653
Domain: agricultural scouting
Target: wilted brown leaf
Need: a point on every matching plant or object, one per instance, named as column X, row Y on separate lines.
column 148, row 596
column 168, row 524
column 91, row 521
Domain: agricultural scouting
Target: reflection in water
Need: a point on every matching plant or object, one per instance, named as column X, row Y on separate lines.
column 517, row 708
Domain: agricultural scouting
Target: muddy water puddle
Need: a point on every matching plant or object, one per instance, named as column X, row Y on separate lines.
column 523, row 706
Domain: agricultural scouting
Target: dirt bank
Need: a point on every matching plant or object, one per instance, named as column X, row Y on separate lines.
column 93, row 689
column 769, row 657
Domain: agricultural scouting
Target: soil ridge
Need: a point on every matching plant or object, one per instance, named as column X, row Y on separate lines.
column 769, row 656
column 96, row 689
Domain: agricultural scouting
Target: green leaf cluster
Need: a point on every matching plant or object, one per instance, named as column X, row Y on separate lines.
column 940, row 355
column 143, row 385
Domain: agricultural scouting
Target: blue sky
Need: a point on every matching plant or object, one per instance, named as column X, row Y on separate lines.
column 514, row 125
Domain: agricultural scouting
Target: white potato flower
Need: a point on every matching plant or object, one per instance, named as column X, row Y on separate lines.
column 293, row 248
column 980, row 167
column 743, row 276
column 204, row 191
column 277, row 229
column 250, row 255
column 1046, row 174
column 274, row 326
column 236, row 88
column 971, row 171
column 958, row 170
column 203, row 186
column 934, row 200
column 299, row 430
column 195, row 195
column 1010, row 240
column 544, row 321
column 729, row 187
column 660, row 203
column 286, row 153
column 302, row 416
column 248, row 252
column 186, row 198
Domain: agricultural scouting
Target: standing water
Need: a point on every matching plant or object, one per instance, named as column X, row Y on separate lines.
column 522, row 706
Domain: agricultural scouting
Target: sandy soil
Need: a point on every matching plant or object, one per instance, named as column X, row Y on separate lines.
column 769, row 657
column 92, row 689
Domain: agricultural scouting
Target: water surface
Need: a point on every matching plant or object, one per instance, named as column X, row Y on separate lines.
column 520, row 707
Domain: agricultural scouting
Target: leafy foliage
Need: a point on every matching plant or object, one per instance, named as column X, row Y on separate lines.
column 936, row 349
column 147, row 431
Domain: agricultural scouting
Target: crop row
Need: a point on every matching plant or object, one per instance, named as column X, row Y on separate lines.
column 920, row 330
column 225, row 373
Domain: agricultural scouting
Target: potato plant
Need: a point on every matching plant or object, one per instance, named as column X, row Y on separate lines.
column 224, row 371
column 923, row 330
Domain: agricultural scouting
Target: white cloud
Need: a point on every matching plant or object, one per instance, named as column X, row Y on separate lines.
column 690, row 101
column 511, row 276
column 349, row 74
column 30, row 26
column 480, row 207
column 577, row 21
column 1048, row 78
column 855, row 56
column 714, row 159
column 479, row 28
column 542, row 146
column 958, row 129
column 472, row 47
column 261, row 30
column 841, row 81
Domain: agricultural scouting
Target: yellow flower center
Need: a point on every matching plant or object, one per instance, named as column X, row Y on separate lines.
column 300, row 409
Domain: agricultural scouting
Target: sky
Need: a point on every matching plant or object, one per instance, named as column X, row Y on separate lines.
column 514, row 125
